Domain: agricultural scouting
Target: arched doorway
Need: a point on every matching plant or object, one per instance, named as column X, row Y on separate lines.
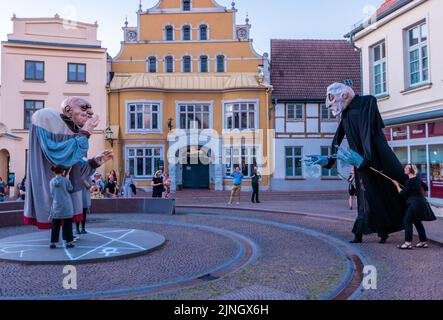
column 4, row 164
column 196, row 168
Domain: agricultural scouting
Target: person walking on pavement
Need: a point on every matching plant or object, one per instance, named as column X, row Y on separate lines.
column 237, row 180
column 352, row 189
column 255, row 185
column 418, row 209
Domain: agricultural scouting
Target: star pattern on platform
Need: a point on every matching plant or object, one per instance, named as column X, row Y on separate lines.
column 97, row 244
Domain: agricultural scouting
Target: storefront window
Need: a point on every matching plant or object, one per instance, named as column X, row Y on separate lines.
column 436, row 163
column 387, row 132
column 417, row 131
column 402, row 154
column 418, row 157
column 435, row 129
column 400, row 133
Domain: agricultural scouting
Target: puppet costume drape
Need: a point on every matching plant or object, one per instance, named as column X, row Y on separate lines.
column 54, row 140
column 362, row 125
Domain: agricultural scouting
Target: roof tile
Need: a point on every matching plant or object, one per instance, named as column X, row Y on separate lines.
column 303, row 69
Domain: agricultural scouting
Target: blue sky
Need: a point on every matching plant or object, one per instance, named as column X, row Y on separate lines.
column 282, row 19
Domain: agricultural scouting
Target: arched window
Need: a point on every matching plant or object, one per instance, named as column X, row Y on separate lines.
column 187, row 64
column 221, row 63
column 169, row 33
column 186, row 33
column 152, row 64
column 204, row 65
column 186, row 5
column 203, row 32
column 169, row 64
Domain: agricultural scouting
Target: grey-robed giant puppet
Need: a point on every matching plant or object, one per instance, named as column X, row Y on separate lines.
column 59, row 139
column 381, row 209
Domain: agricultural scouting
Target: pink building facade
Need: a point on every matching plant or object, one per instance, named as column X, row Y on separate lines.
column 44, row 61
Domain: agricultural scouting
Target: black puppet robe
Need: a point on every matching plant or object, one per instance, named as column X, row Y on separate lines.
column 381, row 208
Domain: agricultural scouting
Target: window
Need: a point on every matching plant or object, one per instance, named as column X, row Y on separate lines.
column 402, row 154
column 144, row 162
column 240, row 116
column 195, row 116
column 418, row 157
column 326, row 114
column 220, row 63
column 187, row 64
column 436, row 170
column 35, row 70
column 326, row 151
column 169, row 64
column 169, row 30
column 203, row 32
column 152, row 64
column 379, row 65
column 293, row 162
column 418, row 54
column 31, row 107
column 204, row 64
column 144, row 117
column 243, row 157
column 294, row 112
column 76, row 72
column 187, row 33
column 186, row 5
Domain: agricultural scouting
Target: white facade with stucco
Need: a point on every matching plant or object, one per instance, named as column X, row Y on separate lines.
column 47, row 45
column 407, row 78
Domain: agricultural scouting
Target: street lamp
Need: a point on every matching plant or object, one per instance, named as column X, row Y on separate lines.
column 170, row 126
column 109, row 136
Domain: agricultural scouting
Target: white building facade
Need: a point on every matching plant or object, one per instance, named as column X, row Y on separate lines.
column 402, row 56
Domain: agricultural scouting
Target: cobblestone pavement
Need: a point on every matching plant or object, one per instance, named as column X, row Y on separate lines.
column 233, row 254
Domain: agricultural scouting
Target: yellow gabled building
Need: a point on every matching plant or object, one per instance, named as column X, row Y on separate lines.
column 190, row 93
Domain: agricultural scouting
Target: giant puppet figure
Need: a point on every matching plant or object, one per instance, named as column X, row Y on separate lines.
column 380, row 208
column 59, row 139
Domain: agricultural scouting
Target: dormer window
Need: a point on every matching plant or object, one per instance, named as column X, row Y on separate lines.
column 186, row 33
column 204, row 63
column 187, row 64
column 186, row 5
column 169, row 61
column 169, row 33
column 203, row 32
column 152, row 64
column 221, row 63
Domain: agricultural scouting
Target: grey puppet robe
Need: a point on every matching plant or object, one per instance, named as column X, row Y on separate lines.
column 55, row 140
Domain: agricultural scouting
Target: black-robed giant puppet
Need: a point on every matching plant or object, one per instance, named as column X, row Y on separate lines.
column 380, row 208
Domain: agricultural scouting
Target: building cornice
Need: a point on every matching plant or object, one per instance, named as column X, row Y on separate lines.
column 384, row 18
column 23, row 43
column 55, row 19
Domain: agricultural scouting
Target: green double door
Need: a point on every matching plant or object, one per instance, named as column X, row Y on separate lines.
column 196, row 176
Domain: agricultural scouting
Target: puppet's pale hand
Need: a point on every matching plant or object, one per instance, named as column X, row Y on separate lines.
column 104, row 157
column 91, row 124
column 315, row 160
column 351, row 158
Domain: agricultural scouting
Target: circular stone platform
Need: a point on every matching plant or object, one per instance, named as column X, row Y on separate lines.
column 97, row 246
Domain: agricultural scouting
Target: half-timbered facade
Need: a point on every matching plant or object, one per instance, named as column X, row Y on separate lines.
column 301, row 72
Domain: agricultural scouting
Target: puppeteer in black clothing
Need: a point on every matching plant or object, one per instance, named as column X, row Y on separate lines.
column 380, row 207
column 418, row 206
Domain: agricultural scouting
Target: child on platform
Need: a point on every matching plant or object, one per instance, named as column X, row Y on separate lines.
column 62, row 209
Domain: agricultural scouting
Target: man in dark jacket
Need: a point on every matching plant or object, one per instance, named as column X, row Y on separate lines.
column 380, row 208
